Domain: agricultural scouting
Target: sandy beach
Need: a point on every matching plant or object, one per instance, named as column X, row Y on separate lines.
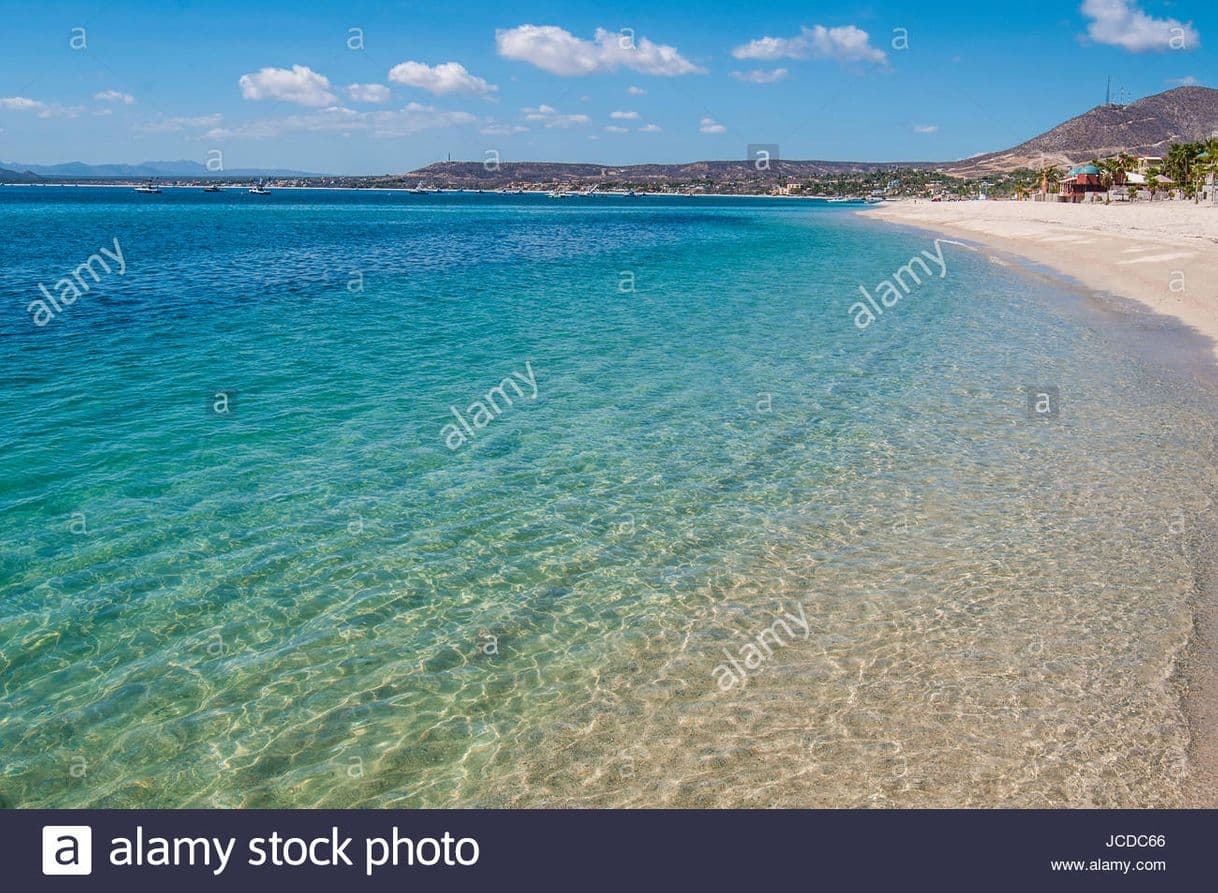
column 1162, row 254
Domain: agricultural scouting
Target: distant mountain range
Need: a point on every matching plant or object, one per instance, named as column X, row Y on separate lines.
column 475, row 175
column 1145, row 127
column 7, row 176
column 77, row 169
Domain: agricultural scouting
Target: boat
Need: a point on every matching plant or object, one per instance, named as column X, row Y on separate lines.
column 557, row 194
column 213, row 187
column 149, row 188
column 260, row 189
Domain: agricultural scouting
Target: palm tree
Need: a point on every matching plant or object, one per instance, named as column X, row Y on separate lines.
column 1179, row 164
column 1049, row 177
column 1109, row 172
column 1207, row 163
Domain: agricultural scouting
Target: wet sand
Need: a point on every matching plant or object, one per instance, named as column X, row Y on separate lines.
column 1165, row 256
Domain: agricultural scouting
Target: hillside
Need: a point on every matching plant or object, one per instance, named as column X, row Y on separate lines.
column 7, row 176
column 1145, row 127
column 474, row 175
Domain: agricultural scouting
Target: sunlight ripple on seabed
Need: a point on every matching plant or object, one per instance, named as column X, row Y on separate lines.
column 310, row 600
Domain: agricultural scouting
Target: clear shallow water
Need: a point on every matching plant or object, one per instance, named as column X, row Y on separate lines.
column 314, row 602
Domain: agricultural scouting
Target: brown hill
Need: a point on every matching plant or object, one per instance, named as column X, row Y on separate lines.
column 1145, row 127
column 475, row 175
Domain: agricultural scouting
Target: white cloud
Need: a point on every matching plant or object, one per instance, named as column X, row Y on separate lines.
column 114, row 96
column 761, row 76
column 1187, row 81
column 299, row 84
column 624, row 116
column 926, row 128
column 21, row 104
column 368, row 92
column 1120, row 23
column 560, row 52
column 550, row 117
column 494, row 128
column 613, row 128
column 43, row 109
column 710, row 125
column 845, row 44
column 636, row 91
column 650, row 128
column 177, row 125
column 411, row 119
column 443, row 79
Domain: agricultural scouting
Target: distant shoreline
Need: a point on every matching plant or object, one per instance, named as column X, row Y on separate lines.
column 238, row 187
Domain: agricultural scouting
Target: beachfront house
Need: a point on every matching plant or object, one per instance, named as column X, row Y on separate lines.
column 1207, row 189
column 1137, row 185
column 1082, row 180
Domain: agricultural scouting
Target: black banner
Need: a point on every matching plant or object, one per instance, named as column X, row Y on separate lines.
column 601, row 850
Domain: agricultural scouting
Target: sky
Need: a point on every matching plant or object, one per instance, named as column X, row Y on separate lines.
column 382, row 87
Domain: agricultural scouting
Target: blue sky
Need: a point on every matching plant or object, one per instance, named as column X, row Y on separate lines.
column 274, row 84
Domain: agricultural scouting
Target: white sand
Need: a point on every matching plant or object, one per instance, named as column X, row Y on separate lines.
column 1164, row 254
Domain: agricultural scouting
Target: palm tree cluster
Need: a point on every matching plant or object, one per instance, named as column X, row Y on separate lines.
column 1189, row 164
column 1113, row 170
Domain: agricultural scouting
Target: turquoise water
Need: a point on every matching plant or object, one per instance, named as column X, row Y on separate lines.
column 311, row 600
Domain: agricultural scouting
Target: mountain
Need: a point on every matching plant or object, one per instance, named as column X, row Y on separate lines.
column 1145, row 127
column 7, row 176
column 79, row 170
column 476, row 175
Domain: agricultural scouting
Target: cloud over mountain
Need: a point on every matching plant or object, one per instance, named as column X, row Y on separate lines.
column 1120, row 23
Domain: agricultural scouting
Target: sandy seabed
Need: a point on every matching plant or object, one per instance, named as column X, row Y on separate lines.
column 1162, row 254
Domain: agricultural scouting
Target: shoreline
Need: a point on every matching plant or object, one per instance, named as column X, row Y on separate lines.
column 1162, row 257
column 856, row 203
